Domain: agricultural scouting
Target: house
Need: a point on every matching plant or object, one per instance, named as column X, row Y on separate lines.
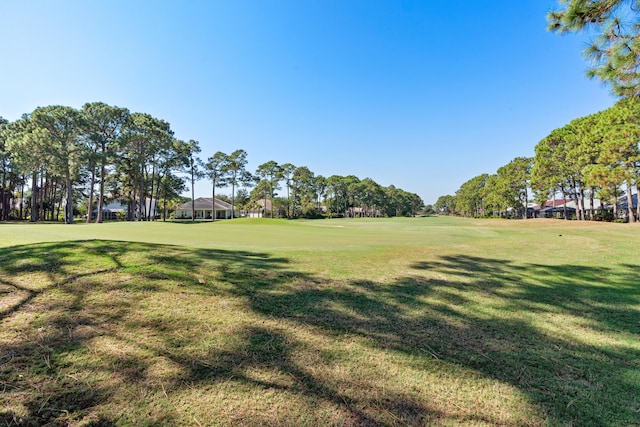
column 533, row 210
column 258, row 211
column 361, row 212
column 556, row 208
column 113, row 210
column 557, row 212
column 623, row 205
column 571, row 203
column 118, row 210
column 202, row 206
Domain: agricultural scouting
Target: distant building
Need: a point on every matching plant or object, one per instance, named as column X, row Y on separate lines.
column 118, row 210
column 113, row 210
column 203, row 209
column 556, row 208
column 623, row 205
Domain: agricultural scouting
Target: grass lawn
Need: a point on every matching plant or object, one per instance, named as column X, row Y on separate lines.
column 426, row 321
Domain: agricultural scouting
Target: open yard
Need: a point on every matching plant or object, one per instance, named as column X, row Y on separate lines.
column 429, row 321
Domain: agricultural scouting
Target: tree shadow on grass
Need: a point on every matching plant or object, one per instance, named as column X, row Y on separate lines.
column 57, row 299
column 608, row 296
column 73, row 343
column 565, row 335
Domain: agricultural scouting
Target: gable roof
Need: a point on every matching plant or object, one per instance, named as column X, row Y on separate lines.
column 204, row 204
column 264, row 203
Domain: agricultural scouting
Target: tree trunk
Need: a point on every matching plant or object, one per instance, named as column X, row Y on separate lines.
column 12, row 195
column 213, row 201
column 91, row 185
column 69, row 209
column 41, row 193
column 638, row 200
column 591, row 208
column 22, row 195
column 271, row 194
column 615, row 203
column 53, row 191
column 103, row 172
column 193, row 200
column 134, row 201
column 564, row 206
column 3, row 205
column 34, row 197
column 576, row 199
column 141, row 198
column 582, row 208
column 153, row 181
column 164, row 202
column 157, row 198
column 630, row 211
column 60, row 203
column 233, row 199
column 288, row 201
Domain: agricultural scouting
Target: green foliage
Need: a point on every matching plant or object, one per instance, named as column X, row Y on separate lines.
column 8, row 175
column 269, row 175
column 58, row 135
column 598, row 153
column 104, row 125
column 615, row 53
column 215, row 170
column 428, row 210
column 513, row 181
column 136, row 159
column 234, row 169
column 469, row 198
column 496, row 195
column 303, row 193
column 446, row 204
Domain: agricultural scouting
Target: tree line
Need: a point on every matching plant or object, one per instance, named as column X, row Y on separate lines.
column 56, row 158
column 592, row 156
column 596, row 156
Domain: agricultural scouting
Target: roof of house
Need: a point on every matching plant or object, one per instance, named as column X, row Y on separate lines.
column 622, row 201
column 204, row 203
column 113, row 206
column 557, row 209
column 264, row 203
column 555, row 203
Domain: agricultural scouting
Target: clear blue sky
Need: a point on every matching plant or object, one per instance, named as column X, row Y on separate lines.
column 420, row 94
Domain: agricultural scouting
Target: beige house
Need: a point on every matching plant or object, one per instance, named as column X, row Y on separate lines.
column 258, row 210
column 203, row 209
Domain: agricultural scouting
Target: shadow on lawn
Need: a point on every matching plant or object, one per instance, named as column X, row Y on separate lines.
column 488, row 315
column 55, row 298
column 574, row 381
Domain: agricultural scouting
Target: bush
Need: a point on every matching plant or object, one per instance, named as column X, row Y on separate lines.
column 604, row 216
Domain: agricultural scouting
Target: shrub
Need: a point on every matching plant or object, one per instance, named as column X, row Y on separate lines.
column 604, row 216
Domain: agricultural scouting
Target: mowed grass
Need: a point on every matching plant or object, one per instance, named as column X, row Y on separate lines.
column 426, row 321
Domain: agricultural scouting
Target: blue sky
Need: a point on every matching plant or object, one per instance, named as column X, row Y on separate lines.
column 419, row 94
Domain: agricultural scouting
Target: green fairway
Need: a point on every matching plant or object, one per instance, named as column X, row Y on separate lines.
column 415, row 321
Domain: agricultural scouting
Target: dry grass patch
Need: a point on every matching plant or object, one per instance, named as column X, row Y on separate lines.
column 121, row 333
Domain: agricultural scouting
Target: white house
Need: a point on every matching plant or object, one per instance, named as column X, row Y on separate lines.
column 203, row 209
column 118, row 210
